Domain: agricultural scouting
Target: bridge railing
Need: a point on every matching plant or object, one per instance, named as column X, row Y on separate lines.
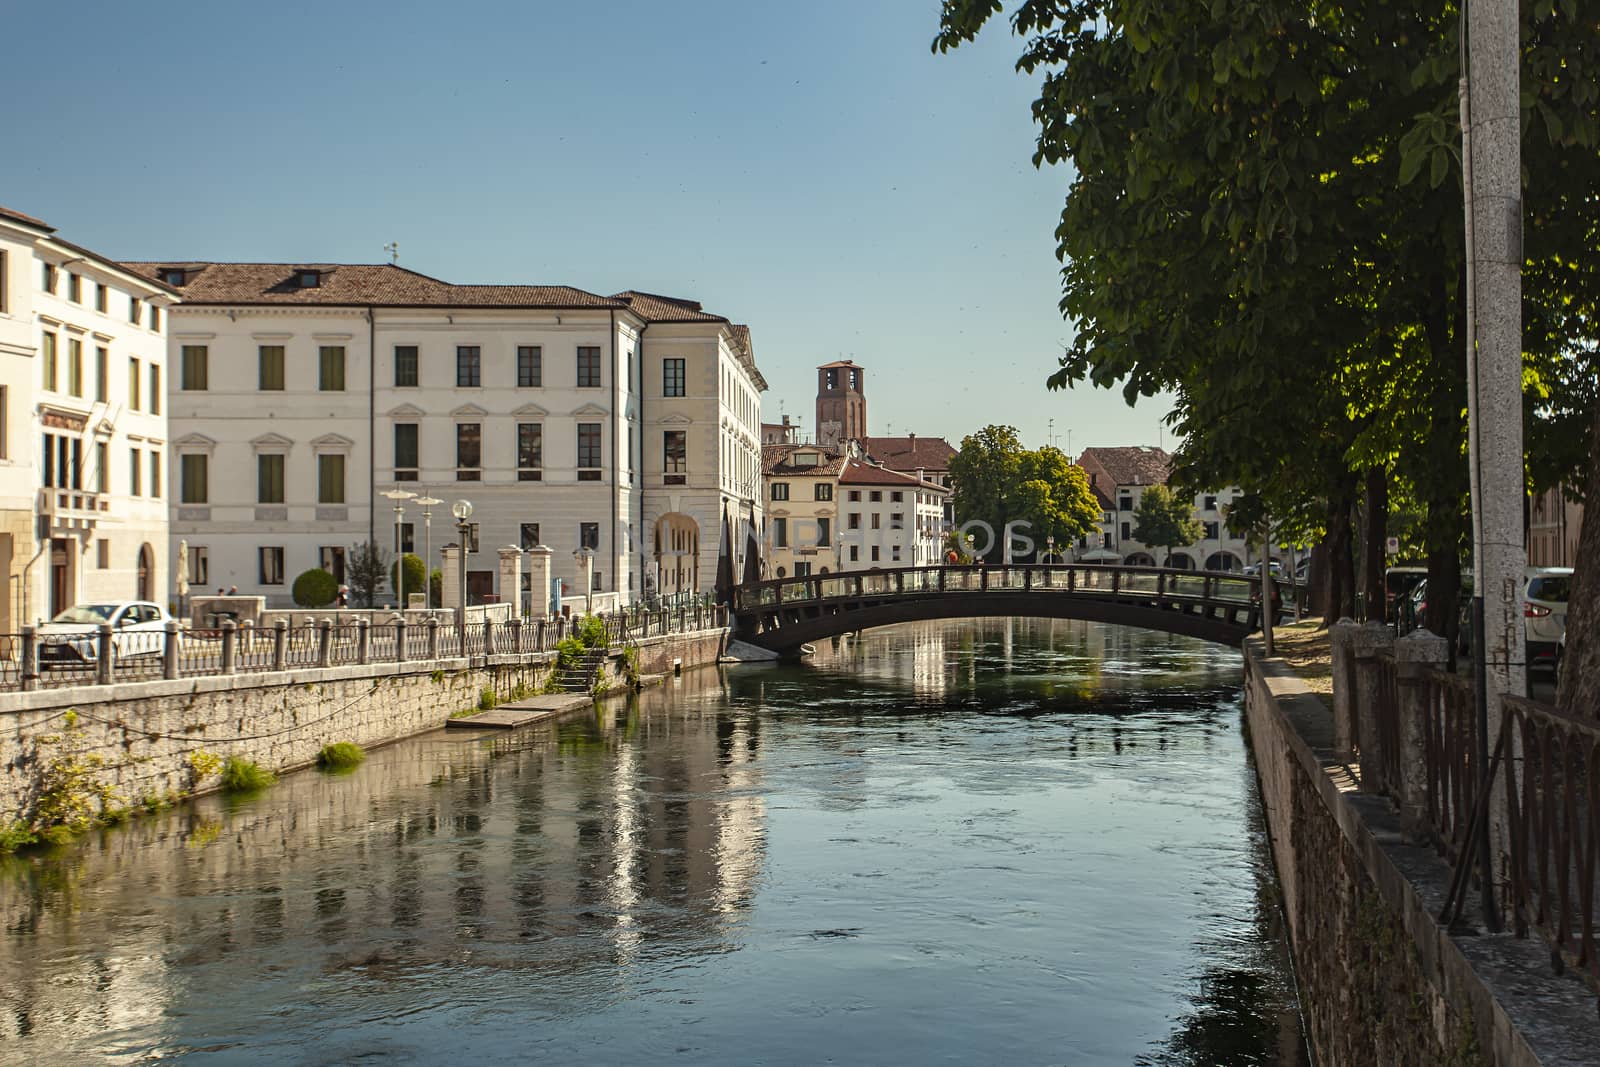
column 1099, row 580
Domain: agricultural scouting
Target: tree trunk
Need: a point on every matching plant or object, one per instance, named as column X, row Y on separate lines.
column 1376, row 548
column 1317, row 578
column 1579, row 687
column 1340, row 599
column 1444, row 480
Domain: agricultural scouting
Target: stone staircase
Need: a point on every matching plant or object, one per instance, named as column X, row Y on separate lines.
column 581, row 676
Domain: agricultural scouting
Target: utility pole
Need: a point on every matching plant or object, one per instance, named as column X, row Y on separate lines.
column 1492, row 182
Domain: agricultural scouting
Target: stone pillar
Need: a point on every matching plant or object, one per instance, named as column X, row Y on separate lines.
column 1371, row 638
column 169, row 651
column 539, row 580
column 1341, row 640
column 511, row 578
column 229, row 634
column 1414, row 655
column 324, row 642
column 106, row 660
column 450, row 577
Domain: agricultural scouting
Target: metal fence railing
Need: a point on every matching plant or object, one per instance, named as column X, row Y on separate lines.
column 29, row 660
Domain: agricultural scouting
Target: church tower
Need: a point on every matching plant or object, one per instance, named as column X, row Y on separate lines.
column 841, row 403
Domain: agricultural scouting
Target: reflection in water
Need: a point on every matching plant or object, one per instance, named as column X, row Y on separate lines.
column 936, row 842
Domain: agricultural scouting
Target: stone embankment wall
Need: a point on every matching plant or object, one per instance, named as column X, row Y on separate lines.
column 1380, row 981
column 145, row 735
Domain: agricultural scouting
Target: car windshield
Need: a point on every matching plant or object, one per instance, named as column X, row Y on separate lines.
column 91, row 614
column 1554, row 588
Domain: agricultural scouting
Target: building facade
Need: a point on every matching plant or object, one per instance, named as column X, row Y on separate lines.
column 1554, row 523
column 1118, row 478
column 927, row 458
column 307, row 398
column 83, row 426
column 802, row 490
column 888, row 519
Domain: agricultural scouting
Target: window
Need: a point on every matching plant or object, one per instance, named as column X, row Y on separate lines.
column 199, row 565
column 74, row 366
column 100, row 295
column 269, row 368
column 133, row 309
column 469, row 366
column 894, row 553
column 102, row 467
column 895, row 498
column 853, row 521
column 874, row 553
column 330, row 478
column 136, row 472
column 102, row 373
column 824, row 531
column 331, row 559
column 5, row 422
column 877, row 521
column 271, row 565
column 530, row 535
column 530, row 451
column 405, row 366
column 876, row 496
column 822, row 491
column 155, row 474
column 530, row 366
column 472, row 537
column 74, row 288
column 308, row 279
column 269, row 478
column 855, row 496
column 4, row 276
column 588, row 367
column 1211, row 531
column 134, row 371
column 408, row 537
column 672, row 378
column 1210, row 502
column 49, row 279
column 155, row 317
column 589, row 451
column 589, row 535
column 780, row 490
column 897, row 521
column 102, row 553
column 780, row 533
column 49, row 353
column 802, row 570
column 469, row 451
column 632, row 477
column 1127, row 531
column 405, row 451
column 330, row 367
column 174, row 275
column 1125, row 502
column 195, row 366
column 855, row 553
column 155, row 389
column 194, row 478
column 675, row 456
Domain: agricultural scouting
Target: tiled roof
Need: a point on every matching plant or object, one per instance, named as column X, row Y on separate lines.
column 656, row 308
column 347, row 284
column 859, row 472
column 775, row 460
column 1130, row 465
column 29, row 220
column 910, row 452
column 837, row 363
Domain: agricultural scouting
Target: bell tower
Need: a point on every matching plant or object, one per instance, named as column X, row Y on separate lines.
column 841, row 403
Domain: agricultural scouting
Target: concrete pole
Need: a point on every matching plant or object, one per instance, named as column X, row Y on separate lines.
column 511, row 578
column 1492, row 178
column 539, row 581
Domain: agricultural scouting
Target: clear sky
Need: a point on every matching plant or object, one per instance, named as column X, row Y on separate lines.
column 811, row 169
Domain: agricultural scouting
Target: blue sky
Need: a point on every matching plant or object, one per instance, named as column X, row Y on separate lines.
column 813, row 170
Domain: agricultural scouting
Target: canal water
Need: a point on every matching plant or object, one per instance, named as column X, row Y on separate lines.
column 1029, row 842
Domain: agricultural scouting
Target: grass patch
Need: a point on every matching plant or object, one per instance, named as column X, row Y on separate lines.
column 487, row 699
column 16, row 836
column 241, row 775
column 340, row 756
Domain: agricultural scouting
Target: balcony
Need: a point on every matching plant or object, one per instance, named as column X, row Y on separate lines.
column 72, row 509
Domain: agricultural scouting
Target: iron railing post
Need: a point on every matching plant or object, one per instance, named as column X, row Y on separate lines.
column 325, row 642
column 433, row 636
column 280, row 644
column 30, row 658
column 400, row 639
column 230, row 645
column 107, row 652
column 169, row 652
column 363, row 640
column 516, row 636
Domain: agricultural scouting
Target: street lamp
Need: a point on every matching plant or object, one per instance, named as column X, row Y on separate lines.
column 427, row 503
column 461, row 509
column 397, row 495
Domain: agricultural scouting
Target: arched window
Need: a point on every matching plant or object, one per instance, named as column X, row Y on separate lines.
column 147, row 574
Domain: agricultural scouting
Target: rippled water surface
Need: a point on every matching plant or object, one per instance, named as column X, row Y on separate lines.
column 1034, row 842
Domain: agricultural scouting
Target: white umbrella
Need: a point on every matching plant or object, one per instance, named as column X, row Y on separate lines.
column 182, row 581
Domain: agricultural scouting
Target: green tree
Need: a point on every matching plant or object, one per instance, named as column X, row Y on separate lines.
column 365, row 571
column 1166, row 520
column 998, row 482
column 315, row 588
column 416, row 573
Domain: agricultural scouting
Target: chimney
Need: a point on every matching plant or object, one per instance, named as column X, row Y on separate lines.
column 922, row 474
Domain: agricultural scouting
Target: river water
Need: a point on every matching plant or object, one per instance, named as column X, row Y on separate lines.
column 1031, row 842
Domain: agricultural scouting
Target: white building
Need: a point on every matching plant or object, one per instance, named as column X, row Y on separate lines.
column 83, row 426
column 888, row 519
column 303, row 392
column 1118, row 478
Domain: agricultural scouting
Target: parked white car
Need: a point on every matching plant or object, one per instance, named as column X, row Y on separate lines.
column 72, row 638
column 1545, row 614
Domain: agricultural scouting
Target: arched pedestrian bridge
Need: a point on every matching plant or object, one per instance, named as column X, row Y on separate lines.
column 785, row 613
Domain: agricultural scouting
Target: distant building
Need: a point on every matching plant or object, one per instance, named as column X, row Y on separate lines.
column 1118, row 478
column 841, row 403
column 83, row 426
column 780, row 433
column 922, row 457
column 888, row 519
column 1554, row 523
column 802, row 486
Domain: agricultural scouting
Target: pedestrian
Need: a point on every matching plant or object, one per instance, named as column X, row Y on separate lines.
column 951, row 557
column 344, row 596
column 219, row 590
column 233, row 590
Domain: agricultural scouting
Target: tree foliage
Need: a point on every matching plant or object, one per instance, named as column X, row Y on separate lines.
column 416, row 572
column 366, row 569
column 999, row 482
column 1166, row 520
column 315, row 588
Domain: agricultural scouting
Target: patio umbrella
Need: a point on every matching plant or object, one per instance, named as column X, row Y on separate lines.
column 182, row 570
column 752, row 556
column 724, row 585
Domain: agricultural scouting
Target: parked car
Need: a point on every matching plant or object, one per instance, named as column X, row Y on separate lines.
column 1545, row 613
column 1399, row 582
column 72, row 638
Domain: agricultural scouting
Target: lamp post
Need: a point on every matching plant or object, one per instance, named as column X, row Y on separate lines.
column 1050, row 548
column 397, row 495
column 427, row 503
column 461, row 509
